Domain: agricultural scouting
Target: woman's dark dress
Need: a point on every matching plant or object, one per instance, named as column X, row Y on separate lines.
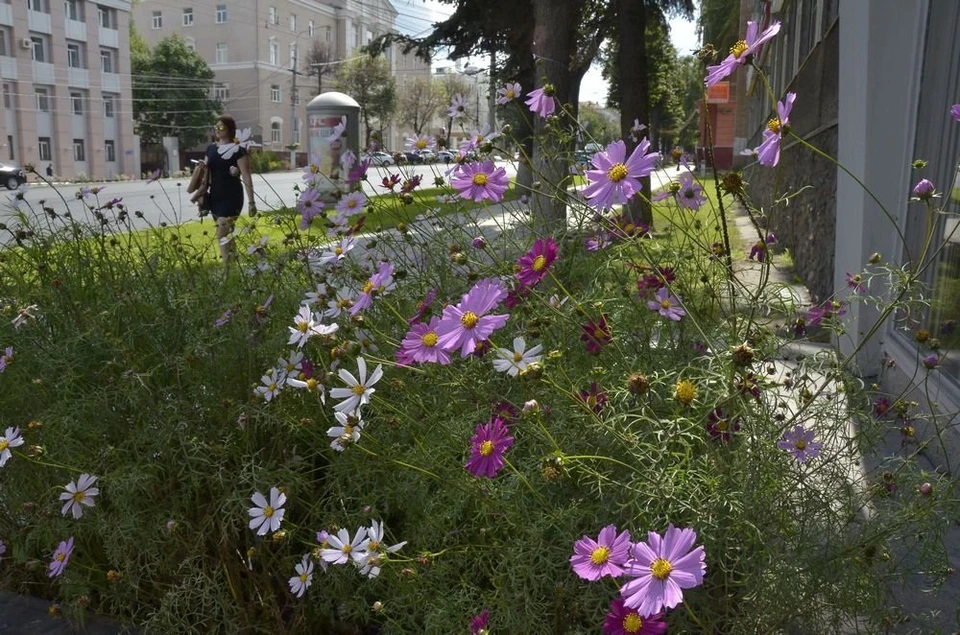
column 226, row 190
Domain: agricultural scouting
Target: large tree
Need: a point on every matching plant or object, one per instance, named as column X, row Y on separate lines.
column 369, row 81
column 172, row 88
column 417, row 103
column 320, row 62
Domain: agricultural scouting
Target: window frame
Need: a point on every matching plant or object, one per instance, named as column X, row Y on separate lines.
column 79, row 144
column 110, row 150
column 276, row 132
column 156, row 20
column 188, row 19
column 76, row 102
column 37, row 44
column 222, row 47
column 106, row 54
column 109, row 105
column 273, row 17
column 275, row 95
column 73, row 51
column 45, row 143
column 221, row 92
column 43, row 99
column 221, row 14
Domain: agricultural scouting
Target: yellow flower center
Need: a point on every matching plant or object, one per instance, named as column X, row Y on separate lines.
column 480, row 179
column 429, row 339
column 486, row 448
column 345, row 303
column 312, row 384
column 539, row 263
column 518, row 357
column 303, row 578
column 60, row 557
column 774, row 125
column 338, row 251
column 272, row 387
column 660, row 569
column 367, row 288
column 4, row 444
column 632, row 623
column 510, row 94
column 738, row 49
column 592, row 400
column 347, row 548
column 600, row 555
column 722, row 425
column 800, row 444
column 665, row 304
column 618, row 172
column 348, row 431
column 79, row 496
column 469, row 319
column 268, row 512
column 598, row 333
column 421, row 143
column 359, row 389
column 629, row 228
column 303, row 326
column 352, row 202
column 373, row 546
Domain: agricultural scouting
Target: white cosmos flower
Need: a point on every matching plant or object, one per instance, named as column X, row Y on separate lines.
column 344, row 300
column 517, row 360
column 337, row 252
column 359, row 390
column 79, row 494
column 376, row 551
column 342, row 550
column 11, row 439
column 306, row 325
column 304, row 578
column 347, row 432
column 316, row 297
column 267, row 515
column 270, row 386
column 290, row 367
column 243, row 140
column 310, row 385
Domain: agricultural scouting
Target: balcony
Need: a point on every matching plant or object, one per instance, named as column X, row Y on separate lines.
column 44, row 73
column 76, row 30
column 78, row 77
column 6, row 15
column 110, row 82
column 8, row 67
column 39, row 22
column 109, row 37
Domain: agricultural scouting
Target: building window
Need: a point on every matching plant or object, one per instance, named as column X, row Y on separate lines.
column 191, row 43
column 72, row 9
column 106, row 61
column 36, row 51
column 221, row 92
column 7, row 96
column 311, row 30
column 275, row 93
column 73, row 56
column 157, row 20
column 293, row 22
column 76, row 103
column 79, row 153
column 10, row 147
column 296, row 97
column 110, row 149
column 275, row 132
column 188, row 17
column 329, row 34
column 296, row 131
column 107, row 17
column 274, row 53
column 221, row 52
column 43, row 147
column 274, row 16
column 5, row 49
column 293, row 56
column 38, row 5
column 108, row 105
column 221, row 13
column 43, row 100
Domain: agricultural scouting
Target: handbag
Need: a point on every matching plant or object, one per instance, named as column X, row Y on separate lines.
column 200, row 187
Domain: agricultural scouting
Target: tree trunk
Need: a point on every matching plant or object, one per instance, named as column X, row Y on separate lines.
column 554, row 44
column 634, row 92
column 524, row 133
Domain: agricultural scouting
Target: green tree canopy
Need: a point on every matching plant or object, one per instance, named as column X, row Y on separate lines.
column 418, row 102
column 369, row 81
column 172, row 85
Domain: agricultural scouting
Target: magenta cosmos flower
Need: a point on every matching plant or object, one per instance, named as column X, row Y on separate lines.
column 924, row 190
column 478, row 623
column 535, row 264
column 616, row 179
column 800, row 443
column 595, row 398
column 467, row 324
column 667, row 305
column 720, row 426
column 768, row 152
column 955, row 112
column 489, row 443
column 480, row 181
column 596, row 334
column 593, row 559
column 662, row 568
column 740, row 52
column 61, row 558
column 623, row 620
column 379, row 282
column 421, row 344
column 541, row 101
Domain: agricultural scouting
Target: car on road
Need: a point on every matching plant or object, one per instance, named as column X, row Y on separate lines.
column 413, row 157
column 379, row 159
column 12, row 176
column 446, row 156
column 429, row 156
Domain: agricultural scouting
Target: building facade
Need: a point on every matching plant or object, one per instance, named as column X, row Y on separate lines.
column 258, row 50
column 67, row 104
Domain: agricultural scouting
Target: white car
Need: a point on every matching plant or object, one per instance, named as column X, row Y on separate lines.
column 379, row 159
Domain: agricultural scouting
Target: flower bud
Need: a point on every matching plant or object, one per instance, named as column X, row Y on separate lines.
column 926, row 489
column 923, row 190
column 529, row 407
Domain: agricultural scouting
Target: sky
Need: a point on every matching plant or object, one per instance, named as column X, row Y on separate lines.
column 416, row 16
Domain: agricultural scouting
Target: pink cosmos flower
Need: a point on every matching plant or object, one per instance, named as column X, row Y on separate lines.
column 61, row 558
column 535, row 264
column 596, row 334
column 595, row 399
column 481, row 136
column 480, row 181
column 467, row 324
column 421, row 344
column 667, row 305
column 622, row 620
column 458, row 107
column 955, row 112
column 661, row 568
column 722, row 427
column 478, row 624
column 423, row 307
column 855, row 282
column 357, row 173
column 768, row 152
column 924, row 190
column 800, row 443
column 617, row 179
column 420, row 142
column 541, row 101
column 379, row 282
column 351, row 204
column 740, row 52
column 488, row 445
column 605, row 556
column 509, row 92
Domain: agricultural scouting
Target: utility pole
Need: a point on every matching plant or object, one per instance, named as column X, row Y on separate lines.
column 293, row 111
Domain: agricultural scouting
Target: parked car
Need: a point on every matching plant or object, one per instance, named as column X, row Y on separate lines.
column 12, row 176
column 446, row 156
column 379, row 159
column 429, row 156
column 413, row 157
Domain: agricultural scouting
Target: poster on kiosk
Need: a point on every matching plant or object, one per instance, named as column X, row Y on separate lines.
column 333, row 129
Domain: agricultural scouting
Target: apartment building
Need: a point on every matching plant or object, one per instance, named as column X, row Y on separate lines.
column 65, row 69
column 258, row 50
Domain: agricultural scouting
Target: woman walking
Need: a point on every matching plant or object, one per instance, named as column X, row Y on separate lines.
column 227, row 166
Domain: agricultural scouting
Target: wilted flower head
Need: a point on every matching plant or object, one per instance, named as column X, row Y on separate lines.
column 541, row 101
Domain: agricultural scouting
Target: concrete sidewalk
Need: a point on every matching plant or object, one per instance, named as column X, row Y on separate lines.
column 24, row 615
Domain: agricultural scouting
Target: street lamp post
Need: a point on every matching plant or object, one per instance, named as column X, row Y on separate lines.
column 475, row 72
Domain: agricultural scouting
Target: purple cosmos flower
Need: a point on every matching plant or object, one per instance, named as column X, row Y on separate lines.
column 955, row 112
column 351, row 204
column 422, row 307
column 509, row 92
column 379, row 282
column 667, row 305
column 420, row 344
column 656, row 279
column 741, row 52
column 480, row 181
column 357, row 173
column 923, row 190
column 596, row 242
column 155, row 175
column 489, row 443
column 79, row 494
column 616, row 179
column 535, row 264
column 931, row 361
column 593, row 559
column 420, row 142
column 478, row 623
column 661, row 568
column 467, row 324
column 458, row 107
column 881, row 407
column 596, row 334
column 506, row 411
column 768, row 152
column 541, row 101
column 800, row 443
column 309, row 205
column 347, row 160
column 690, row 195
column 722, row 427
column 622, row 620
column 595, row 399
column 61, row 557
column 855, row 282
column 479, row 242
column 825, row 311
